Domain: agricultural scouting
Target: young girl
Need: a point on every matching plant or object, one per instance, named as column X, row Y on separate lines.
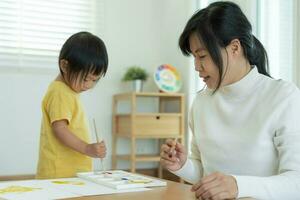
column 246, row 130
column 64, row 140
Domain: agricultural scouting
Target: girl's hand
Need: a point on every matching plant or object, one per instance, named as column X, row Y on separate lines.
column 172, row 155
column 216, row 186
column 96, row 150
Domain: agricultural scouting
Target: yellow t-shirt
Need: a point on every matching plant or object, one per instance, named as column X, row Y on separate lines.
column 55, row 159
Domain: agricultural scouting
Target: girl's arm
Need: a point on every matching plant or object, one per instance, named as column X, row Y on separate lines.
column 62, row 132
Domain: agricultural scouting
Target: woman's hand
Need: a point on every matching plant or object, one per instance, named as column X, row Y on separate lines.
column 172, row 155
column 216, row 186
column 96, row 150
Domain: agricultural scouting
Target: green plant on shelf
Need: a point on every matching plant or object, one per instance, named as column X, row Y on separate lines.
column 135, row 73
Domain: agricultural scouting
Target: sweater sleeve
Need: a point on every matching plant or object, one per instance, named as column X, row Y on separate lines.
column 192, row 170
column 285, row 185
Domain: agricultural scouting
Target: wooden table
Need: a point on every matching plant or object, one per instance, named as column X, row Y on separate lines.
column 173, row 191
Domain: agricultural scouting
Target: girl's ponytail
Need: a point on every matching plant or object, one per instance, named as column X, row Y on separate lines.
column 258, row 56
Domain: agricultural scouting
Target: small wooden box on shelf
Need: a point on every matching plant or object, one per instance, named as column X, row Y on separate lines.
column 166, row 123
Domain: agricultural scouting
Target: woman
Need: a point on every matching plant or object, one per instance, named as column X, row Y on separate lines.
column 246, row 132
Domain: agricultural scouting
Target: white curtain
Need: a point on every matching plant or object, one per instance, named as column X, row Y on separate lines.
column 296, row 39
column 277, row 26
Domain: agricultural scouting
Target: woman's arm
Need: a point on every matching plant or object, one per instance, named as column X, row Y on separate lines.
column 192, row 170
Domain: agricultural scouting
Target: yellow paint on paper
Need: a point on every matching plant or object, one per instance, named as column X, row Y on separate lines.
column 69, row 182
column 17, row 189
column 139, row 181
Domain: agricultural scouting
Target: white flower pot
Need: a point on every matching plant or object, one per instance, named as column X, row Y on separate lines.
column 137, row 85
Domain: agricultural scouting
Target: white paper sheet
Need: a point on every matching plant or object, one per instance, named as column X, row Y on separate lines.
column 39, row 192
column 58, row 189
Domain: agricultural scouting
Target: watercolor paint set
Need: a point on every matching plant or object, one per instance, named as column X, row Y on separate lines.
column 119, row 179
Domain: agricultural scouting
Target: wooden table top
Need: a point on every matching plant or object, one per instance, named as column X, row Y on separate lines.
column 173, row 191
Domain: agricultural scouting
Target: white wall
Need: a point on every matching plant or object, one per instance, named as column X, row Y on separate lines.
column 20, row 98
column 136, row 32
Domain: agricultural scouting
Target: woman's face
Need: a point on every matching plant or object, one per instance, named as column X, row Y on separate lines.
column 205, row 66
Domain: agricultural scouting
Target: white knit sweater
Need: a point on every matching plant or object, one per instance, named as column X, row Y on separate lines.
column 251, row 130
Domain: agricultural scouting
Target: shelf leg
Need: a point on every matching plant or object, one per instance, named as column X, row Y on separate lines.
column 132, row 155
column 160, row 168
column 114, row 152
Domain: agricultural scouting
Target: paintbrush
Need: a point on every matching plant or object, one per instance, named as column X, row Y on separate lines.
column 97, row 138
column 173, row 148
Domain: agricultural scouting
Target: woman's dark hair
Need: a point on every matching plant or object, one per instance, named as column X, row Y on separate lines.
column 85, row 53
column 216, row 26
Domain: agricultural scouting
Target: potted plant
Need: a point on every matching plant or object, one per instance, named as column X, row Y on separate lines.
column 137, row 75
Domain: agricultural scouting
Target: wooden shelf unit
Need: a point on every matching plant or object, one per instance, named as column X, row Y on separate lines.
column 166, row 123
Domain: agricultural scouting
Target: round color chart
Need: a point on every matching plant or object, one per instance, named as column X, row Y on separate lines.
column 167, row 78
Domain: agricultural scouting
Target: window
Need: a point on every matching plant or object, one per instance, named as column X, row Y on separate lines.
column 33, row 31
column 276, row 34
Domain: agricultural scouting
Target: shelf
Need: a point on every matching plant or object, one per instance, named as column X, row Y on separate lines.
column 154, row 94
column 148, row 94
column 140, row 158
column 150, row 114
column 165, row 120
column 162, row 136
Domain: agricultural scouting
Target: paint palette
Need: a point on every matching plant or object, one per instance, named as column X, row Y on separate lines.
column 119, row 179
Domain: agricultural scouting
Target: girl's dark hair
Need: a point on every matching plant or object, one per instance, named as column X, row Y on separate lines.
column 85, row 53
column 216, row 26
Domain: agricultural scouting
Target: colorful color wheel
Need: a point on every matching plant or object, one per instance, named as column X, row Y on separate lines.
column 167, row 78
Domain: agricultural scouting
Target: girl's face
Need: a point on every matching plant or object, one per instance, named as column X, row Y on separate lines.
column 89, row 82
column 78, row 84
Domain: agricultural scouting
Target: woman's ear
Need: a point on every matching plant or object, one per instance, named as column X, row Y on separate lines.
column 235, row 47
column 64, row 64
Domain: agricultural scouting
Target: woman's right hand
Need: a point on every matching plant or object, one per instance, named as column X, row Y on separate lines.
column 96, row 150
column 172, row 155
